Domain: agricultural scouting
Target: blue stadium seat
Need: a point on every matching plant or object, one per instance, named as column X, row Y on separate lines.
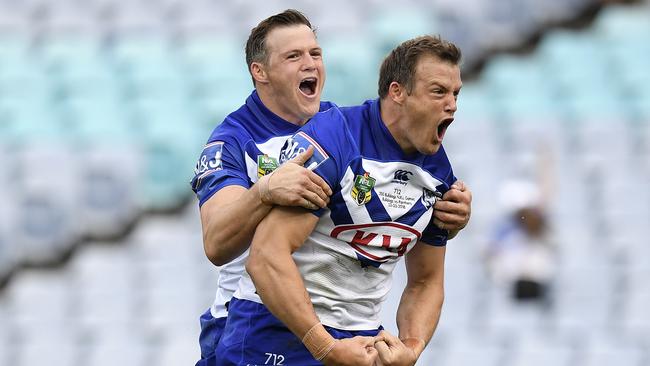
column 352, row 70
column 414, row 20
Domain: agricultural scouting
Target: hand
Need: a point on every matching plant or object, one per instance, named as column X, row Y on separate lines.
column 357, row 351
column 293, row 185
column 392, row 352
column 452, row 213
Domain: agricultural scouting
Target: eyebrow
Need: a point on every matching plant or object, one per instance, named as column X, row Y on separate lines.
column 441, row 85
column 300, row 50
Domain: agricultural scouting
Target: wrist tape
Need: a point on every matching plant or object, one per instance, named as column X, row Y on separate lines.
column 318, row 341
column 264, row 189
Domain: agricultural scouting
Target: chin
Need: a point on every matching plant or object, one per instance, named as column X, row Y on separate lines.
column 431, row 150
column 312, row 109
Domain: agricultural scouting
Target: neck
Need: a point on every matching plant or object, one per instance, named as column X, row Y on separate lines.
column 266, row 96
column 391, row 114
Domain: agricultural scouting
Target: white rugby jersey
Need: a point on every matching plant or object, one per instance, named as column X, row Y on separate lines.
column 240, row 150
column 381, row 207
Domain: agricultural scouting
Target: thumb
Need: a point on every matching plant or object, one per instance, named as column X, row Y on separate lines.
column 302, row 158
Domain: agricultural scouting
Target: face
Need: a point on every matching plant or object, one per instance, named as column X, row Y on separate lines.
column 429, row 108
column 294, row 73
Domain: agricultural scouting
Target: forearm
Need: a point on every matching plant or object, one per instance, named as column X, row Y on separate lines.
column 418, row 313
column 279, row 284
column 229, row 228
column 274, row 272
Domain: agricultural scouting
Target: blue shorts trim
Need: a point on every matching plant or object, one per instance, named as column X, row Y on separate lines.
column 211, row 331
column 253, row 336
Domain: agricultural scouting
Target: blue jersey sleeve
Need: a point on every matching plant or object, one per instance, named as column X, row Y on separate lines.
column 440, row 167
column 220, row 164
column 432, row 234
column 328, row 135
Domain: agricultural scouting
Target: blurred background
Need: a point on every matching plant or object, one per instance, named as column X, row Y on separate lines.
column 105, row 106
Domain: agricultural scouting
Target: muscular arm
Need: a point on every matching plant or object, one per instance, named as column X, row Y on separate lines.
column 421, row 303
column 274, row 272
column 229, row 219
column 280, row 286
column 230, row 216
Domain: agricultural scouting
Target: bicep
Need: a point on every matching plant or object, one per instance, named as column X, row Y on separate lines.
column 426, row 263
column 284, row 228
column 217, row 201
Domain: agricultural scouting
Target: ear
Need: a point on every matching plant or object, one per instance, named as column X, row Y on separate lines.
column 396, row 92
column 259, row 73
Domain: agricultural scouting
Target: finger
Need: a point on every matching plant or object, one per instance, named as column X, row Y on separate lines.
column 366, row 341
column 303, row 157
column 305, row 203
column 448, row 226
column 320, row 182
column 316, row 188
column 450, row 207
column 315, row 200
column 449, row 222
column 455, row 195
column 460, row 185
column 391, row 339
column 380, row 349
column 371, row 356
column 380, row 337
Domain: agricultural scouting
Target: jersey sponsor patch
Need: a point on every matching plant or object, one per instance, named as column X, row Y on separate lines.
column 430, row 197
column 362, row 189
column 210, row 159
column 298, row 144
column 266, row 165
column 376, row 243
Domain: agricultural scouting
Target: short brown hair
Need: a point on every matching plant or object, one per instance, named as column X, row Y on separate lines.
column 400, row 64
column 256, row 44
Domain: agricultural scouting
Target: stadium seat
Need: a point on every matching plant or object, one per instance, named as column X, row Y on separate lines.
column 44, row 225
column 107, row 185
column 351, row 70
column 542, row 349
column 416, row 21
column 471, row 348
column 604, row 349
column 105, row 103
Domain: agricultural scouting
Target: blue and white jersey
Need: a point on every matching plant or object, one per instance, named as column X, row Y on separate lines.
column 240, row 150
column 381, row 207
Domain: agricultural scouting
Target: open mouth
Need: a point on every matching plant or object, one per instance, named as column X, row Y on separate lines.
column 308, row 86
column 442, row 127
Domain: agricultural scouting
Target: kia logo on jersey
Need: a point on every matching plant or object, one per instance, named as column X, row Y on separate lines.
column 377, row 241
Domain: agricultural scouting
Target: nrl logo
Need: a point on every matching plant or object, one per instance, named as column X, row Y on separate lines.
column 265, row 165
column 361, row 191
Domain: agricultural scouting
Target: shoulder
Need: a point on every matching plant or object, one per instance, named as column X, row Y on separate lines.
column 329, row 126
column 326, row 105
column 232, row 128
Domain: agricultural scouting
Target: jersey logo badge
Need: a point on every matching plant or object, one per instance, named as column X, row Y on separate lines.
column 265, row 165
column 430, row 197
column 210, row 158
column 361, row 192
column 402, row 177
